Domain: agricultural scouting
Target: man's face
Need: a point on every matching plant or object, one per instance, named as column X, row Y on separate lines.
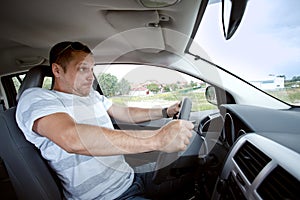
column 78, row 76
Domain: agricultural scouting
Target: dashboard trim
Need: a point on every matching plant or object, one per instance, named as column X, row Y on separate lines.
column 280, row 155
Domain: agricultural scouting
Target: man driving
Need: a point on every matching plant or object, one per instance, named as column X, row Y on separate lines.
column 71, row 127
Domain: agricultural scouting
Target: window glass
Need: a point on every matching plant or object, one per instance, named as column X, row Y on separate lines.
column 47, row 83
column 17, row 80
column 150, row 86
column 265, row 49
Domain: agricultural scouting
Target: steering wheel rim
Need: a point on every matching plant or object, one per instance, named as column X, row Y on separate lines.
column 166, row 161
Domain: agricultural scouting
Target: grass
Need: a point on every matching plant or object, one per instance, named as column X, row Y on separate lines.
column 197, row 97
column 289, row 95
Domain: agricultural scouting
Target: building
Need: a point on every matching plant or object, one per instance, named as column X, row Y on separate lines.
column 139, row 91
column 270, row 83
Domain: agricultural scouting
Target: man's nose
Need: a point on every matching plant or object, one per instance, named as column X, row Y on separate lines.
column 91, row 76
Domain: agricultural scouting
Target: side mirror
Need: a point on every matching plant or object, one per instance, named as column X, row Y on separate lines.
column 210, row 94
column 232, row 14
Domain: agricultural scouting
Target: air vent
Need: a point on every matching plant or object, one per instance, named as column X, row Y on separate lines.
column 251, row 160
column 279, row 184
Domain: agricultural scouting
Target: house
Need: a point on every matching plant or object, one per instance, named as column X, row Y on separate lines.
column 270, row 83
column 139, row 91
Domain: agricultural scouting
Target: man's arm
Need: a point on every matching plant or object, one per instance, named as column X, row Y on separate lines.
column 99, row 141
column 137, row 115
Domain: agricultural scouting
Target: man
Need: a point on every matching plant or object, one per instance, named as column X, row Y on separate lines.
column 71, row 126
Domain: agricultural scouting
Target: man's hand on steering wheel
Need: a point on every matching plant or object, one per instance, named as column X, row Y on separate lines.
column 172, row 111
column 175, row 136
column 178, row 132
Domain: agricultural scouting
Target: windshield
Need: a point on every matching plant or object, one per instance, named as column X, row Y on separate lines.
column 264, row 51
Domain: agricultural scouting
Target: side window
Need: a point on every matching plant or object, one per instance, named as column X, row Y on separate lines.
column 17, row 80
column 47, row 84
column 11, row 85
column 150, row 86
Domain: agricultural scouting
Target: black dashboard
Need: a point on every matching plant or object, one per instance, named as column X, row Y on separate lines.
column 242, row 152
column 282, row 126
column 263, row 157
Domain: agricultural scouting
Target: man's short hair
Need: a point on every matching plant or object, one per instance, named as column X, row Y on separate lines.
column 61, row 53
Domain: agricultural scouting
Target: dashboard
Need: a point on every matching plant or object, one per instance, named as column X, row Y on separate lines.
column 263, row 158
column 243, row 152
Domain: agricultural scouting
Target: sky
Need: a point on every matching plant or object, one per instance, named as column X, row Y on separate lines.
column 267, row 41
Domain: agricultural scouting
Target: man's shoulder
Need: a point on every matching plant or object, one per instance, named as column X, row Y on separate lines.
column 36, row 91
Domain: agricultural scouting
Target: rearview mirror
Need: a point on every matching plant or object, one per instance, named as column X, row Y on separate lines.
column 232, row 14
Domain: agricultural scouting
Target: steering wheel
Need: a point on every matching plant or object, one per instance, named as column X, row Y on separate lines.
column 166, row 161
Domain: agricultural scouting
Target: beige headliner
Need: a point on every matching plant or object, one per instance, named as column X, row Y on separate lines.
column 116, row 30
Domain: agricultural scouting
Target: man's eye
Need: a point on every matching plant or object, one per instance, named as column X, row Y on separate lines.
column 85, row 69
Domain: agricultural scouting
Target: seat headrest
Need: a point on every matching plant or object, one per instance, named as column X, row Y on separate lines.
column 34, row 78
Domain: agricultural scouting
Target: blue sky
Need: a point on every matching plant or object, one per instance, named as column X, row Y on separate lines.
column 267, row 41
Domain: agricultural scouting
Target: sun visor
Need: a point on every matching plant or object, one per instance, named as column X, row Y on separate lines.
column 140, row 29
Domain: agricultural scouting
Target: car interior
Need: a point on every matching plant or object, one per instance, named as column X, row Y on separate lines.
column 245, row 147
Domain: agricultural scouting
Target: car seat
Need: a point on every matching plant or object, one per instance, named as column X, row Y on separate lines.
column 28, row 172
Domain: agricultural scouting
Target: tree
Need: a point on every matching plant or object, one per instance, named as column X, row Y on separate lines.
column 296, row 78
column 123, row 87
column 109, row 84
column 167, row 88
column 174, row 87
column 153, row 87
column 47, row 82
column 193, row 84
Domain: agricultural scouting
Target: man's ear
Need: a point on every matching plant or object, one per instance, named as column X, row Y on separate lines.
column 57, row 70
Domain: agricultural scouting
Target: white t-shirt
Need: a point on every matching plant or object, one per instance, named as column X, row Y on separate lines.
column 83, row 177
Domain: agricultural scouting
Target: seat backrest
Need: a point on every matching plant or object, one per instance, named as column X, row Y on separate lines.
column 35, row 78
column 29, row 173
